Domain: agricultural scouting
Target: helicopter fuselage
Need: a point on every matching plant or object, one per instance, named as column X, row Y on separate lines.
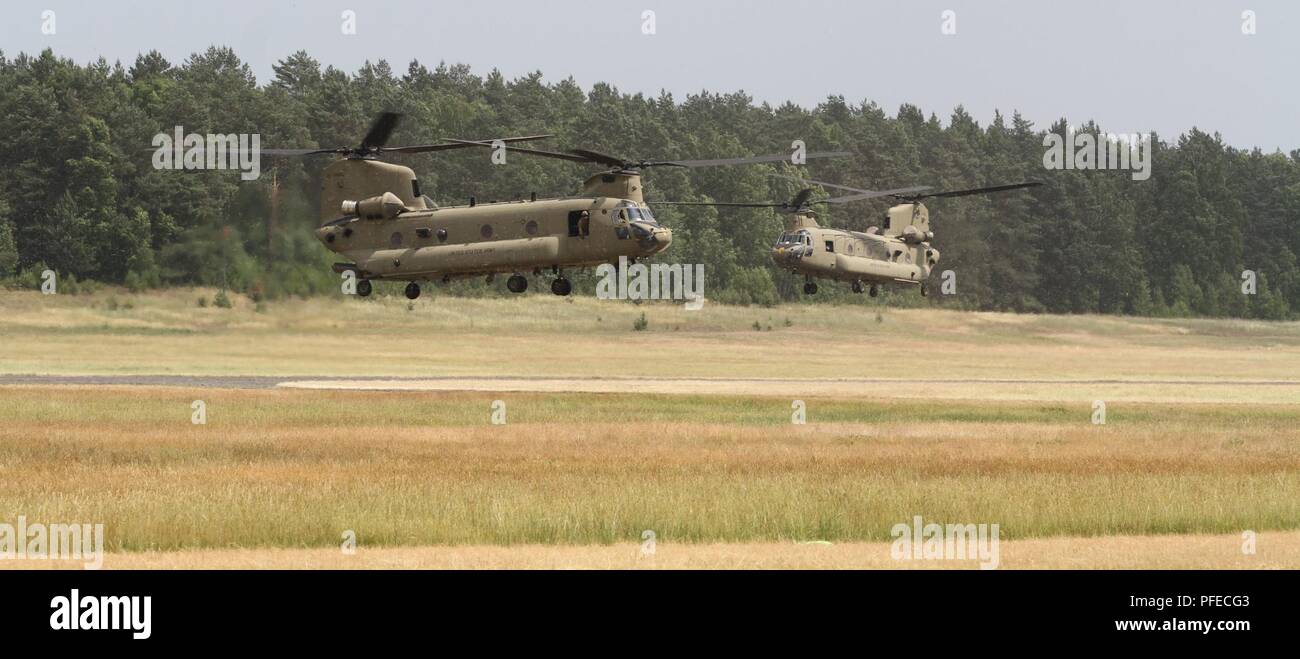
column 900, row 254
column 414, row 240
column 490, row 238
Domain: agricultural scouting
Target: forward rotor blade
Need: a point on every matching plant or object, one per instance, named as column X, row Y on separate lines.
column 381, row 130
column 751, row 160
column 971, row 191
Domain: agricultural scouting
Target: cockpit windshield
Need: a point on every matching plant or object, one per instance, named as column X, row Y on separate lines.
column 633, row 213
column 790, row 239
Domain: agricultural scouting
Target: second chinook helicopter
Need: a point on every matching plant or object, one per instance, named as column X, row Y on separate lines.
column 899, row 252
column 388, row 230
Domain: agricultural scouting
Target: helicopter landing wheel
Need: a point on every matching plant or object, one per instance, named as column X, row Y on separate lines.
column 364, row 288
column 857, row 286
column 873, row 290
column 517, row 283
column 561, row 286
column 924, row 291
column 810, row 288
column 412, row 291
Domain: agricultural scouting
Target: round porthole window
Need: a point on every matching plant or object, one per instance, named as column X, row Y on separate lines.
column 395, row 240
column 531, row 227
column 442, row 235
column 486, row 231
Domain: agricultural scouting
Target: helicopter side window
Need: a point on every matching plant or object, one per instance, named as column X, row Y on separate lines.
column 830, row 246
column 579, row 224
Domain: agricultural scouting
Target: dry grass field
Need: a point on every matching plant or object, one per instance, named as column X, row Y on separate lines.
column 541, row 335
column 1202, row 439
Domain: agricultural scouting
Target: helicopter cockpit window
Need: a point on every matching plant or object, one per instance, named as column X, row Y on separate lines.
column 647, row 216
column 633, row 213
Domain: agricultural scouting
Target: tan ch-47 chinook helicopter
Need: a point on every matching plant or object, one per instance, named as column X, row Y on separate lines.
column 898, row 252
column 390, row 231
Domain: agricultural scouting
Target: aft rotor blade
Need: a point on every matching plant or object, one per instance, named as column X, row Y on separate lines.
column 346, row 219
column 532, row 152
column 300, row 152
column 460, row 144
column 751, row 160
column 381, row 130
column 874, row 194
column 716, row 203
column 601, row 158
column 821, row 183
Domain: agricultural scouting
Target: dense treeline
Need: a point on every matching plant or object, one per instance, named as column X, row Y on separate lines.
column 80, row 195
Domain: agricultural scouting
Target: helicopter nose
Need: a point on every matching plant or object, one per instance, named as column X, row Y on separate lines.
column 653, row 240
column 664, row 238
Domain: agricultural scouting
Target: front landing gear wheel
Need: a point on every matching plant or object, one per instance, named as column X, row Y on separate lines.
column 873, row 291
column 857, row 287
column 810, row 288
column 364, row 288
column 412, row 291
column 517, row 283
column 561, row 286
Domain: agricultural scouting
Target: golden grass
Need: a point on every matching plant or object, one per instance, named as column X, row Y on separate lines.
column 282, row 468
column 711, row 465
column 1273, row 550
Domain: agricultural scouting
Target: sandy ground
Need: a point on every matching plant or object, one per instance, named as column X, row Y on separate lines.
column 1154, row 391
column 1143, row 390
column 1273, row 550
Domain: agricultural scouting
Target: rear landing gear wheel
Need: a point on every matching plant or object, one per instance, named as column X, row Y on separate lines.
column 561, row 286
column 924, row 291
column 412, row 291
column 810, row 288
column 364, row 288
column 873, row 291
column 517, row 283
column 857, row 287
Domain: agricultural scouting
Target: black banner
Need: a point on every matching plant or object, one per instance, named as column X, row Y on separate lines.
column 915, row 610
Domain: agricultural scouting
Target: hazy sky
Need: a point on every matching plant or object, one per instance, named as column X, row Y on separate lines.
column 1132, row 66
